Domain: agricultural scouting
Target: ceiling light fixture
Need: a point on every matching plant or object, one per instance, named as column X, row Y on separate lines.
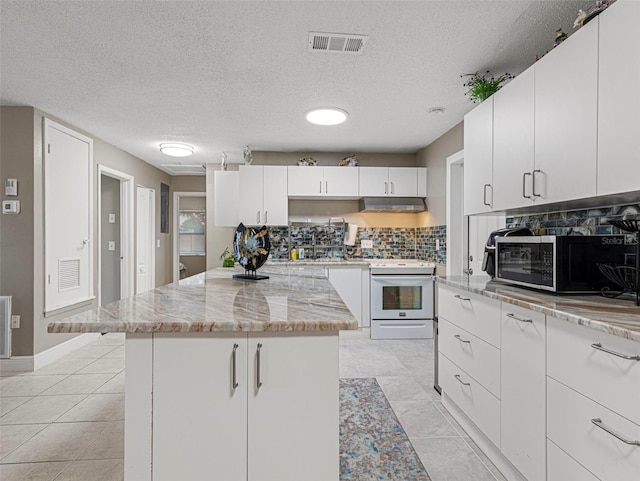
column 327, row 116
column 436, row 110
column 176, row 150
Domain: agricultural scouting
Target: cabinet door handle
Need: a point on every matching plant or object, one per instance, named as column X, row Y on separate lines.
column 457, row 376
column 484, row 195
column 326, row 186
column 386, row 184
column 321, row 187
column 457, row 336
column 234, row 382
column 533, row 176
column 392, row 188
column 258, row 217
column 513, row 316
column 599, row 347
column 458, row 296
column 258, row 381
column 266, row 216
column 524, row 178
column 598, row 422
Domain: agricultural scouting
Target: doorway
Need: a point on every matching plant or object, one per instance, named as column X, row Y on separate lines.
column 145, row 245
column 115, row 235
column 466, row 235
column 189, row 234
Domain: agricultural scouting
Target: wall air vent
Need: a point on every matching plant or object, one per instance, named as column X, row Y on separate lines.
column 336, row 42
column 185, row 169
column 68, row 274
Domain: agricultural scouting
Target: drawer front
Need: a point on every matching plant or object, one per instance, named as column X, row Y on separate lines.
column 606, row 378
column 569, row 425
column 474, row 313
column 562, row 467
column 477, row 357
column 402, row 329
column 482, row 407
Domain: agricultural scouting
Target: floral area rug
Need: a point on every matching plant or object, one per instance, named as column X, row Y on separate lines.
column 373, row 445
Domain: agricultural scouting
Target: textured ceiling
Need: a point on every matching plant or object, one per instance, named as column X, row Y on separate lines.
column 223, row 75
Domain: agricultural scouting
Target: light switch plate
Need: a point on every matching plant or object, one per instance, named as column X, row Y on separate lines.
column 10, row 206
column 437, row 244
column 112, row 218
column 112, row 245
column 11, row 187
column 158, row 243
column 366, row 244
column 15, row 321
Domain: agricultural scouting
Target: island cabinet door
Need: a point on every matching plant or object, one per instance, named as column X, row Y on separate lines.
column 293, row 407
column 199, row 417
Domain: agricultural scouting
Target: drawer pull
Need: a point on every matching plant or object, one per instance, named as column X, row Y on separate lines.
column 598, row 422
column 457, row 336
column 599, row 347
column 457, row 376
column 458, row 296
column 513, row 316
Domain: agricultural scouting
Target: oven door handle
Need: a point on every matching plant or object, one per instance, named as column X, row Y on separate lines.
column 403, row 278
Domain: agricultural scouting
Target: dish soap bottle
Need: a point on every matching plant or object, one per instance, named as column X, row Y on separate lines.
column 294, row 254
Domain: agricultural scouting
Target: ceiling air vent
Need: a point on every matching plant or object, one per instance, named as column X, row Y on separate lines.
column 185, row 169
column 336, row 42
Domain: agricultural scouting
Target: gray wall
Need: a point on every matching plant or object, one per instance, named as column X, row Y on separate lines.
column 327, row 159
column 109, row 260
column 22, row 239
column 434, row 157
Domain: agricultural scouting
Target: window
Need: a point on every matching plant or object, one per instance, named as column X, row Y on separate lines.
column 192, row 227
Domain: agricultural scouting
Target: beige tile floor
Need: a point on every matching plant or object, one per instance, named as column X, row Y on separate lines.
column 65, row 422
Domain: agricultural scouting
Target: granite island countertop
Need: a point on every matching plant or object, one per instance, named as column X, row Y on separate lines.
column 294, row 298
column 620, row 316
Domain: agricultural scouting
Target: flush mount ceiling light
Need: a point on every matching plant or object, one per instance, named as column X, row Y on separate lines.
column 176, row 150
column 327, row 116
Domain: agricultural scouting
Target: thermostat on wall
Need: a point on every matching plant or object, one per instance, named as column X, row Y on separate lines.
column 10, row 206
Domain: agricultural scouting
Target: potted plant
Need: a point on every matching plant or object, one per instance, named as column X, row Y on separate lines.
column 228, row 259
column 482, row 86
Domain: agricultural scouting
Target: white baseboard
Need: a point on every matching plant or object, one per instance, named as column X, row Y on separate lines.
column 491, row 450
column 42, row 359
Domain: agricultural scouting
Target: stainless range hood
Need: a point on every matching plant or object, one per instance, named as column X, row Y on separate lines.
column 392, row 204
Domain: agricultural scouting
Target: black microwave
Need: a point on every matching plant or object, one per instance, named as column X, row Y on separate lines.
column 561, row 264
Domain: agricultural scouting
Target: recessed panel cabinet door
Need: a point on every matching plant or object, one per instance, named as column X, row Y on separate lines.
column 194, row 402
column 293, row 414
column 619, row 99
column 478, row 159
column 566, row 113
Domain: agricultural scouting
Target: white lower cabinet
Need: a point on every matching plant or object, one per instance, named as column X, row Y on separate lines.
column 347, row 281
column 579, row 426
column 562, row 467
column 278, row 423
column 523, row 395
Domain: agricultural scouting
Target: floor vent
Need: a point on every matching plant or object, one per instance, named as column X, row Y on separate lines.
column 336, row 42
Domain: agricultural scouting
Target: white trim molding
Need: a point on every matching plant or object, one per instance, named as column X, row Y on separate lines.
column 42, row 359
column 176, row 224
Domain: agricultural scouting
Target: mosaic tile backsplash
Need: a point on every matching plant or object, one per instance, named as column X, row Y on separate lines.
column 574, row 222
column 388, row 242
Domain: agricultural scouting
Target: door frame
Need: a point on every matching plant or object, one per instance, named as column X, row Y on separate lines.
column 176, row 240
column 127, row 257
column 457, row 225
column 151, row 267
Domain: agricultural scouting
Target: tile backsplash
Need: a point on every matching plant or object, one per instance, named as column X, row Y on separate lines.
column 388, row 242
column 574, row 222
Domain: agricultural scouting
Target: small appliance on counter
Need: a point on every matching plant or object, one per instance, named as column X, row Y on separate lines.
column 560, row 264
column 626, row 278
column 489, row 259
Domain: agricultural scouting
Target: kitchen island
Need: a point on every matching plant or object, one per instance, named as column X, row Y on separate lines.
column 230, row 379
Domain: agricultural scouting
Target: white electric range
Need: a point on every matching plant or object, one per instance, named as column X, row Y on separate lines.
column 402, row 299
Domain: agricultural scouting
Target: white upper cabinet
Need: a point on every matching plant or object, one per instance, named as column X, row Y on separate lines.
column 478, row 159
column 322, row 181
column 619, row 99
column 263, row 195
column 392, row 182
column 513, row 142
column 566, row 118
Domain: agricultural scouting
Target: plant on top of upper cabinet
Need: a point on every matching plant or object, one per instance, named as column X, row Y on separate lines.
column 482, row 86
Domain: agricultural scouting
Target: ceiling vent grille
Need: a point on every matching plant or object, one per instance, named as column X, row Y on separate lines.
column 336, row 42
column 185, row 169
